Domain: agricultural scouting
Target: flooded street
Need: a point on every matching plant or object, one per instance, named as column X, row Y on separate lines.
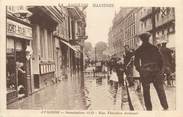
column 96, row 94
column 101, row 95
column 69, row 94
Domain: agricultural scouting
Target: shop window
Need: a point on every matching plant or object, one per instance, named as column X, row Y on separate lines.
column 15, row 65
column 10, row 62
column 19, row 45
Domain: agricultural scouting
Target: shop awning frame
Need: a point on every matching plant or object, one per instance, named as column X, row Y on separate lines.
column 69, row 45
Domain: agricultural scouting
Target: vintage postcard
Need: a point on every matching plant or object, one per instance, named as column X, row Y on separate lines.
column 91, row 58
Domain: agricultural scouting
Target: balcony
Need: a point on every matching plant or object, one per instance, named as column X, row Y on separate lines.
column 146, row 13
column 81, row 37
column 59, row 35
column 165, row 19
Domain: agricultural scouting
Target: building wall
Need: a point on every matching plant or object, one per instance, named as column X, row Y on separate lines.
column 165, row 25
column 61, row 33
column 19, row 37
column 43, row 31
column 130, row 22
column 69, row 30
column 124, row 30
column 43, row 44
column 164, row 28
column 43, row 57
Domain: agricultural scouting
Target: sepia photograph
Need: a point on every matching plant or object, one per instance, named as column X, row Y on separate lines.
column 103, row 58
column 76, row 57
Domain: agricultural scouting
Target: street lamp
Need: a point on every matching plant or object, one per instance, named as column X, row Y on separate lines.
column 29, row 52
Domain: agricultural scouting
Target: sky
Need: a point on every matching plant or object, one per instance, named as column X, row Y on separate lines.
column 98, row 20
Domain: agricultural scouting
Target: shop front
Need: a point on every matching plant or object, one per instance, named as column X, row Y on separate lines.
column 18, row 50
column 78, row 63
column 43, row 59
column 68, row 59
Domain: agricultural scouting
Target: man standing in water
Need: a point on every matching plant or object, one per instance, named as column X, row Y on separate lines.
column 148, row 62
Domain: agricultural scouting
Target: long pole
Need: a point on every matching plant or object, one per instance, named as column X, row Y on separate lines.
column 95, row 62
column 95, row 57
column 129, row 98
column 127, row 90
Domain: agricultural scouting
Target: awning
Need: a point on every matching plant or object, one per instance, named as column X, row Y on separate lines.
column 74, row 12
column 69, row 45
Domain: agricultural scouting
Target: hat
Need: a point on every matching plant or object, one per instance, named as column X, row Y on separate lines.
column 144, row 35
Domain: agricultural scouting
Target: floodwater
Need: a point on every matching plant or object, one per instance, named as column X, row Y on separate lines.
column 101, row 95
column 95, row 93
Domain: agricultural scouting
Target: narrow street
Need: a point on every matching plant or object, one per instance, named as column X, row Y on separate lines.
column 49, row 47
column 97, row 94
column 67, row 94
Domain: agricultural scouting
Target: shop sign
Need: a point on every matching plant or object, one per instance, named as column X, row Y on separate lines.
column 47, row 68
column 18, row 30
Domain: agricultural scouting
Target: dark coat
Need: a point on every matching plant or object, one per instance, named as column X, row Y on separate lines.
column 166, row 56
column 147, row 54
column 120, row 69
column 127, row 57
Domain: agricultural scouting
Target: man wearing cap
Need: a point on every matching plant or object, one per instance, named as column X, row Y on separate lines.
column 148, row 62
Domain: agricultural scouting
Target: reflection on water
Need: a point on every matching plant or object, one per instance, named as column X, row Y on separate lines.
column 71, row 93
column 102, row 94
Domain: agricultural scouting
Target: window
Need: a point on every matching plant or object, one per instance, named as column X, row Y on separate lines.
column 145, row 24
column 50, row 45
column 141, row 26
column 46, row 44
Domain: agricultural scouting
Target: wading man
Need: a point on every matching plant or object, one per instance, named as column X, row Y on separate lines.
column 148, row 62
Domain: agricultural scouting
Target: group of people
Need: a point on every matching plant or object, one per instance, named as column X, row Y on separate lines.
column 153, row 63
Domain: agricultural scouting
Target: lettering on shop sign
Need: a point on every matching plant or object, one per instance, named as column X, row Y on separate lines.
column 18, row 30
column 47, row 68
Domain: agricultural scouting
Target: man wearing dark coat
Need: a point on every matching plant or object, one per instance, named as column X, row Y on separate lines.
column 148, row 62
